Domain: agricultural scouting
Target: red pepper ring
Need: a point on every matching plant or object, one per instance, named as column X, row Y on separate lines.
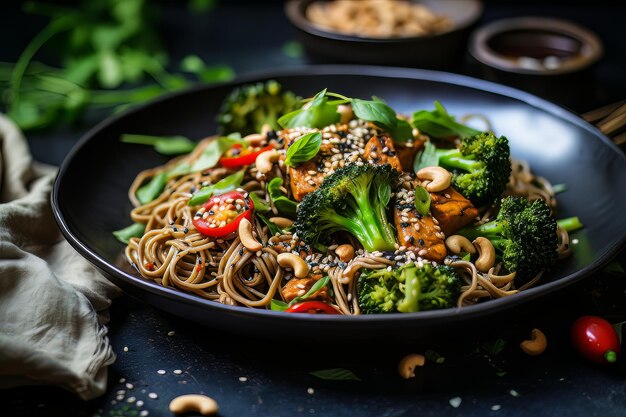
column 312, row 307
column 232, row 223
column 246, row 159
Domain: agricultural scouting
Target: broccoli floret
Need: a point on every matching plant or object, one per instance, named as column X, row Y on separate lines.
column 249, row 107
column 408, row 289
column 352, row 199
column 523, row 234
column 480, row 167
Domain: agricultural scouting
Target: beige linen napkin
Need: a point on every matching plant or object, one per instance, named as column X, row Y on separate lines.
column 53, row 303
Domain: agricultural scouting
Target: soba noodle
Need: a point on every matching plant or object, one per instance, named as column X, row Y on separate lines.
column 174, row 254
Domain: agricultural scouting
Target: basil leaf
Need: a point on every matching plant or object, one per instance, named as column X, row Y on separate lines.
column 422, row 200
column 432, row 356
column 321, row 283
column 402, row 132
column 281, row 202
column 271, row 226
column 559, row 188
column 320, row 113
column 304, row 149
column 375, row 111
column 134, row 230
column 148, row 192
column 165, row 145
column 336, row 374
column 426, row 158
column 214, row 151
column 467, row 257
column 223, row 186
column 259, row 203
column 277, row 305
column 439, row 124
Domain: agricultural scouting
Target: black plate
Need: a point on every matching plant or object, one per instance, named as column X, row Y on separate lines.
column 90, row 194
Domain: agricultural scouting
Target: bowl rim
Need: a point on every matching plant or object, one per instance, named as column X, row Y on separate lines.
column 437, row 316
column 293, row 10
column 592, row 46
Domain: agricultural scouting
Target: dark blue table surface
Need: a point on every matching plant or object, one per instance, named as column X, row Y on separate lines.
column 484, row 367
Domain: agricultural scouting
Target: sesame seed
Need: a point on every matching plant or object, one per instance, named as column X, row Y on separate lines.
column 130, row 386
column 310, row 391
column 131, row 400
column 177, row 371
column 125, row 348
column 171, row 333
column 161, row 372
column 139, row 403
column 153, row 395
column 243, row 379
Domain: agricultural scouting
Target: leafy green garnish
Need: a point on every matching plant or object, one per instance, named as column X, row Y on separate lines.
column 273, row 228
column 134, row 230
column 439, row 124
column 166, row 145
column 281, row 202
column 426, row 158
column 570, row 224
column 559, row 188
column 375, row 111
column 432, row 356
column 223, row 186
column 336, row 374
column 303, row 149
column 148, row 192
column 318, row 114
column 214, row 151
column 259, row 204
column 422, row 200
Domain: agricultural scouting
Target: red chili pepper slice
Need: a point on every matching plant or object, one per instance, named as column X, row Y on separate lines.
column 242, row 159
column 222, row 210
column 312, row 307
column 595, row 338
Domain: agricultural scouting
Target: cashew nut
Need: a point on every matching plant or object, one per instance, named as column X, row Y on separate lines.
column 194, row 402
column 406, row 367
column 345, row 113
column 289, row 260
column 245, row 234
column 345, row 252
column 265, row 161
column 458, row 244
column 281, row 222
column 256, row 139
column 439, row 178
column 486, row 254
column 536, row 345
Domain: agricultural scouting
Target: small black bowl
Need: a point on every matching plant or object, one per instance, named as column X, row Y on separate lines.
column 439, row 51
column 550, row 57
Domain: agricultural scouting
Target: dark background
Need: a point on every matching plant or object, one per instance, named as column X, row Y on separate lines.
column 250, row 376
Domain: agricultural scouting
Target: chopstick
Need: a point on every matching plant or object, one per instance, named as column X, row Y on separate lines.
column 610, row 119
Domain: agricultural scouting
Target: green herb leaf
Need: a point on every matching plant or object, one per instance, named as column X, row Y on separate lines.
column 148, row 192
column 273, row 229
column 493, row 347
column 422, row 200
column 223, row 186
column 166, row 145
column 426, row 158
column 432, row 356
column 214, row 151
column 375, row 111
column 336, row 374
column 614, row 268
column 618, row 329
column 281, row 202
column 570, row 224
column 293, row 49
column 402, row 132
column 318, row 114
column 278, row 305
column 559, row 188
column 303, row 149
column 439, row 124
column 467, row 257
column 259, row 204
column 134, row 230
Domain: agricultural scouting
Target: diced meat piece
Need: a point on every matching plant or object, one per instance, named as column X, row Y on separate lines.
column 452, row 210
column 380, row 149
column 406, row 154
column 419, row 233
column 299, row 286
column 301, row 180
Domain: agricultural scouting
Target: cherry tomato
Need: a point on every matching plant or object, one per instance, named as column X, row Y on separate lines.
column 312, row 307
column 244, row 157
column 595, row 339
column 224, row 217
